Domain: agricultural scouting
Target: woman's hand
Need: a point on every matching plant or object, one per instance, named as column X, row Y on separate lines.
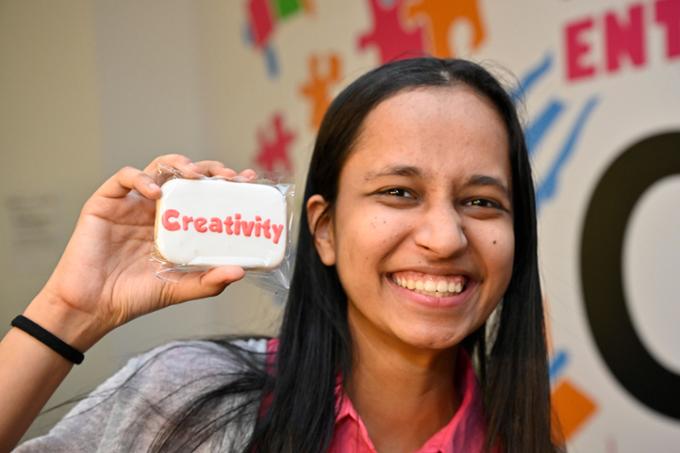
column 105, row 276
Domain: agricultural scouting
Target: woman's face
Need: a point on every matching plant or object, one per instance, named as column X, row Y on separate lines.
column 422, row 233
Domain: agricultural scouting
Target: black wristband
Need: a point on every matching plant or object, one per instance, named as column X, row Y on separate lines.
column 66, row 351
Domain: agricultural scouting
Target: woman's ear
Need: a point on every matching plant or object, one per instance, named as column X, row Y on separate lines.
column 321, row 228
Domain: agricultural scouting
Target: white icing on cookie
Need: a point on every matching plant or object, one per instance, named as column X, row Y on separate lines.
column 215, row 222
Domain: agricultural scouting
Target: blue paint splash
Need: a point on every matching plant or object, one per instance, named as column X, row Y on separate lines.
column 557, row 364
column 247, row 34
column 548, row 187
column 532, row 77
column 270, row 57
column 542, row 124
column 545, row 122
column 272, row 62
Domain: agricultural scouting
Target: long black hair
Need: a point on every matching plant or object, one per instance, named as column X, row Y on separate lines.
column 314, row 341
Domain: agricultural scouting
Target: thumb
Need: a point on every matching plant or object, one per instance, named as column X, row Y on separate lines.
column 197, row 285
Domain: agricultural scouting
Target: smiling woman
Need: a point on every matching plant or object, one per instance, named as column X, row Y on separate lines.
column 423, row 222
column 418, row 222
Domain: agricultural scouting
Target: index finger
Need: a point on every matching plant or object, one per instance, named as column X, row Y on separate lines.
column 127, row 179
column 171, row 162
column 214, row 168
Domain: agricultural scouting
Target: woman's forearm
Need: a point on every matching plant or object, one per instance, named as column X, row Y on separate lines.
column 30, row 371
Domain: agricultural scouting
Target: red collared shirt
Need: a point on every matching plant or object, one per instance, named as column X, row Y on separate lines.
column 464, row 433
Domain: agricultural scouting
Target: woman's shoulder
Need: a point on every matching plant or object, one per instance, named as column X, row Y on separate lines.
column 197, row 355
column 132, row 406
column 210, row 349
column 191, row 363
column 170, row 375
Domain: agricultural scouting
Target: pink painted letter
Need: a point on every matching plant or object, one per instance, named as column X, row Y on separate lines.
column 576, row 49
column 668, row 15
column 625, row 38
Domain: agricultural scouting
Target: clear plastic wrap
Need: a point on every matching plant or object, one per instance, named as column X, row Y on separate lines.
column 213, row 221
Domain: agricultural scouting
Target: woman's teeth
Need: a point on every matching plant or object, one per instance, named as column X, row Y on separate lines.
column 440, row 288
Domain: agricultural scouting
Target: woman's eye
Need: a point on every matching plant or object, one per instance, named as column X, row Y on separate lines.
column 483, row 203
column 398, row 192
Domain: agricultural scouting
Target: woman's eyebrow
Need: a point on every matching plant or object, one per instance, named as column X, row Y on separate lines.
column 485, row 180
column 394, row 170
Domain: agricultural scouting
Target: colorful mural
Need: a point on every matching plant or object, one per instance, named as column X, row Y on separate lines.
column 545, row 121
column 589, row 51
column 263, row 17
column 403, row 29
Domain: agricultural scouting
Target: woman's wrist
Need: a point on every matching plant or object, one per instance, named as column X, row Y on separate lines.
column 78, row 329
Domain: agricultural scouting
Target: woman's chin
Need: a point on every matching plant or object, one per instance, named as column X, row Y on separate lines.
column 431, row 339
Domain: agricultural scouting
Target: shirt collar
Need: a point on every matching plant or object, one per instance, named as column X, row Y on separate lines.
column 464, row 432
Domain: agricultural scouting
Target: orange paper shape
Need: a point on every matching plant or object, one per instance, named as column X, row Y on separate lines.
column 573, row 407
column 439, row 16
column 317, row 88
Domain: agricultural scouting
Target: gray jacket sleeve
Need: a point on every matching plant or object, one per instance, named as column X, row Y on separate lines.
column 127, row 411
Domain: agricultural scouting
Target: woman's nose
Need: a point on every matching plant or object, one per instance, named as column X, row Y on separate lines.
column 441, row 231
